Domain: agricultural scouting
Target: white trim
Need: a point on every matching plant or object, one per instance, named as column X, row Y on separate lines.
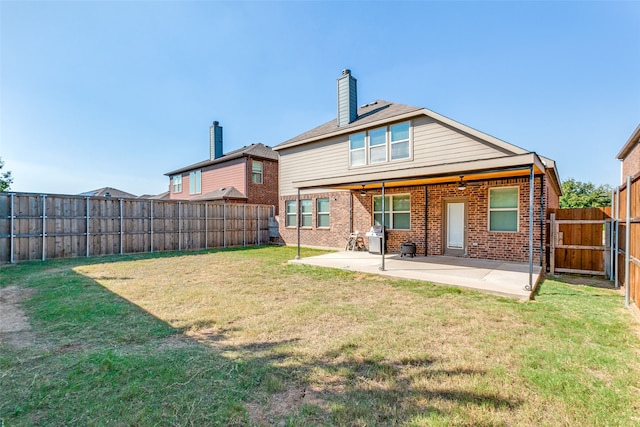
column 517, row 209
column 389, row 210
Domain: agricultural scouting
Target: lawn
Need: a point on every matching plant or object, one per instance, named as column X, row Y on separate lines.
column 239, row 337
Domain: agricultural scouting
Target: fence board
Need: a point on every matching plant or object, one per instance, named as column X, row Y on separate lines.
column 61, row 226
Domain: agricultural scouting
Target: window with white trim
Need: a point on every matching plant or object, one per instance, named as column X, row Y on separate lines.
column 306, row 211
column 357, row 151
column 397, row 211
column 399, row 135
column 256, row 172
column 380, row 145
column 503, row 208
column 322, row 213
column 177, row 183
column 195, row 181
column 291, row 213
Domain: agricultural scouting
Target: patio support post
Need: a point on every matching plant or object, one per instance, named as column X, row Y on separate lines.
column 612, row 234
column 617, row 240
column 426, row 219
column 12, row 220
column 541, row 219
column 627, row 244
column 529, row 287
column 298, row 221
column 383, row 230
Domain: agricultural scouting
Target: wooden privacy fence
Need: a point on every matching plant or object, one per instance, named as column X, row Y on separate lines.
column 579, row 241
column 626, row 202
column 39, row 226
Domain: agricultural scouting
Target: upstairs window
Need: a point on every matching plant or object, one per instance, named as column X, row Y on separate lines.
column 195, row 179
column 503, row 209
column 256, row 172
column 380, row 145
column 177, row 183
column 357, row 152
column 400, row 141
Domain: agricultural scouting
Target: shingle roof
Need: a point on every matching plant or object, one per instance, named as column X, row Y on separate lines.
column 109, row 192
column 254, row 150
column 367, row 114
column 221, row 194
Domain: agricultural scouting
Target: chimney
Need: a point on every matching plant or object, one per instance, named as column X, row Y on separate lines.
column 347, row 98
column 215, row 141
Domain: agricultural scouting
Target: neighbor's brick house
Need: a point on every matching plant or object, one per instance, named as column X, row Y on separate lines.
column 450, row 189
column 630, row 156
column 247, row 175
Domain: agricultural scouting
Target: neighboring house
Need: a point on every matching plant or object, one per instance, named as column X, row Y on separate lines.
column 450, row 189
column 246, row 175
column 630, row 156
column 109, row 192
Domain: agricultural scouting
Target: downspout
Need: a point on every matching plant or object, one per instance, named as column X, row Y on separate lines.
column 383, row 230
column 426, row 219
column 298, row 221
column 627, row 244
column 529, row 287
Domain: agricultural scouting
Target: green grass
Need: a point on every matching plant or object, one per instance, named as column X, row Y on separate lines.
column 239, row 337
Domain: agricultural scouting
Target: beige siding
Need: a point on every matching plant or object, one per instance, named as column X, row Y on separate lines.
column 433, row 144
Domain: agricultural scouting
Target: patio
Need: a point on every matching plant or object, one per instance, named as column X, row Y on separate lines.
column 495, row 277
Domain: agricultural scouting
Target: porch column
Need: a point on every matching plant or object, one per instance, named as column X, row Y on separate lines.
column 297, row 221
column 383, row 230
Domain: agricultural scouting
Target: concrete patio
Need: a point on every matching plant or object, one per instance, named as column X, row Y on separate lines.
column 495, row 277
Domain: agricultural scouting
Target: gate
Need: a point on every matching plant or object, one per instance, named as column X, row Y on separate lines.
column 579, row 241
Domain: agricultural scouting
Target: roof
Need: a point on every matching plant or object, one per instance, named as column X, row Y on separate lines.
column 380, row 112
column 220, row 194
column 109, row 192
column 254, row 150
column 634, row 139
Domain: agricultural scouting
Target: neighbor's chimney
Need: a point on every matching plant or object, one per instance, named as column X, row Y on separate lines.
column 215, row 141
column 347, row 98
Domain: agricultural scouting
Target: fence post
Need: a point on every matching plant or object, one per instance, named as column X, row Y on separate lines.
column 627, row 245
column 87, row 226
column 206, row 225
column 150, row 226
column 44, row 225
column 179, row 226
column 224, row 225
column 552, row 246
column 244, row 225
column 258, row 225
column 121, row 228
column 12, row 225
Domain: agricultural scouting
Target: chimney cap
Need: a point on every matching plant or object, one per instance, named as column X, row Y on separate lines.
column 346, row 71
column 216, row 123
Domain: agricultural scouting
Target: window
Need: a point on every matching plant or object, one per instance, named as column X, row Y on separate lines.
column 194, row 182
column 256, row 172
column 322, row 212
column 306, row 209
column 357, row 153
column 177, row 183
column 397, row 211
column 503, row 209
column 400, row 141
column 380, row 145
column 291, row 214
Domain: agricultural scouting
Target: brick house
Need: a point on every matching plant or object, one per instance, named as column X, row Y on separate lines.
column 630, row 156
column 247, row 175
column 448, row 188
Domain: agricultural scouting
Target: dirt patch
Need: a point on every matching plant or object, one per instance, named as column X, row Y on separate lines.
column 283, row 404
column 14, row 324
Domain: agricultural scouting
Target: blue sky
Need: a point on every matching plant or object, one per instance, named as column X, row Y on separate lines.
column 117, row 93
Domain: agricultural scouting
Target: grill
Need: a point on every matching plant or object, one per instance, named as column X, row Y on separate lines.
column 375, row 239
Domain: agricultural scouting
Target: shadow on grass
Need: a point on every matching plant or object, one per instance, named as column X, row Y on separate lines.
column 104, row 359
column 590, row 281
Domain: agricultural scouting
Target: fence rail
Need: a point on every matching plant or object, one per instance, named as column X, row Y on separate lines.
column 41, row 226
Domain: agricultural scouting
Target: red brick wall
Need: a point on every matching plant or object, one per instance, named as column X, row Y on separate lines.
column 481, row 243
column 267, row 192
column 631, row 163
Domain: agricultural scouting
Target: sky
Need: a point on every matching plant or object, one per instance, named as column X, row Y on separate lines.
column 117, row 93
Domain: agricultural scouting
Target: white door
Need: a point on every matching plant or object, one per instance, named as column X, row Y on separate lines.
column 455, row 228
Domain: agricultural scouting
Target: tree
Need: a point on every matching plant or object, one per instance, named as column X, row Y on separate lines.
column 579, row 194
column 5, row 178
